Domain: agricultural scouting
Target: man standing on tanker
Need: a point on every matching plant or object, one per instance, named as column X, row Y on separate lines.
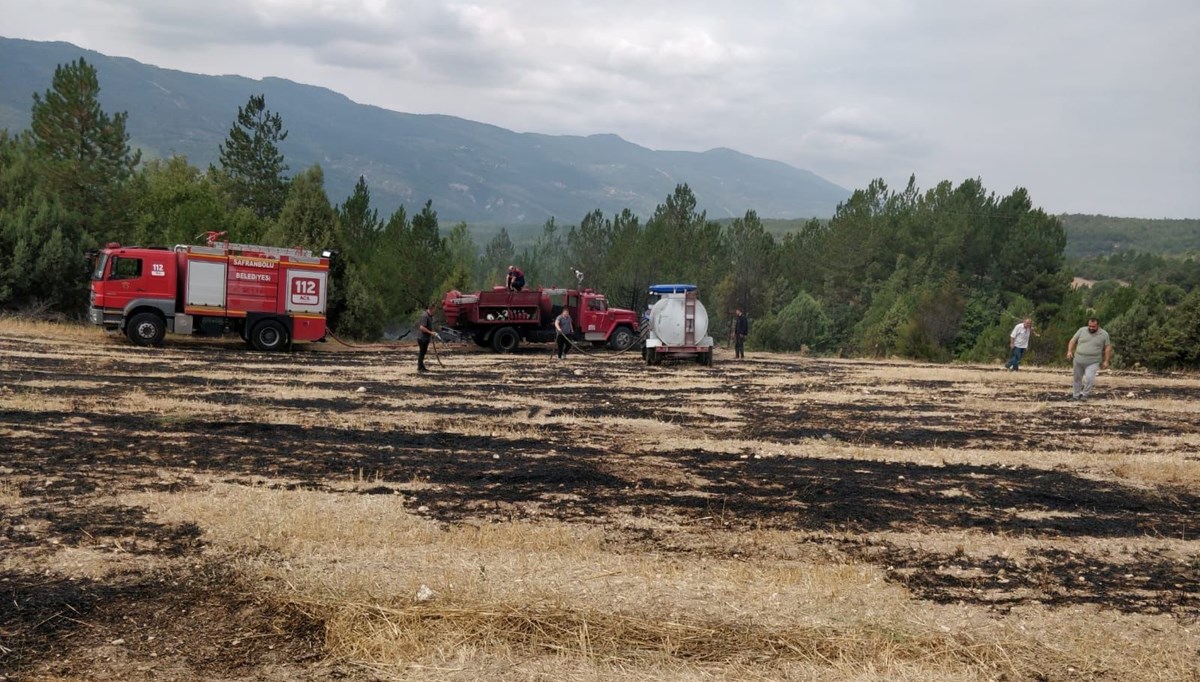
column 1090, row 350
column 424, row 336
column 515, row 281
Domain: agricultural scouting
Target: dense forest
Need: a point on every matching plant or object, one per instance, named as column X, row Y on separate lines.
column 939, row 274
column 1097, row 235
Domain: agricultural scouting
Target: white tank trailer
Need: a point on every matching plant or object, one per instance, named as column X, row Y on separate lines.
column 678, row 326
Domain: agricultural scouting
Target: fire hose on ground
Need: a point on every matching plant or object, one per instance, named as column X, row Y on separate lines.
column 641, row 337
column 437, row 339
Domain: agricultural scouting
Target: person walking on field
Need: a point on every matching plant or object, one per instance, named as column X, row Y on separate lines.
column 424, row 336
column 562, row 340
column 1090, row 350
column 741, row 328
column 1018, row 343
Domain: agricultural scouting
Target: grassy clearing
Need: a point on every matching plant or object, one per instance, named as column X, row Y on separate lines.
column 629, row 592
column 48, row 332
column 408, row 597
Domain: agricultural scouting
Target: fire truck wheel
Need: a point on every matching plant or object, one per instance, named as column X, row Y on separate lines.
column 505, row 340
column 480, row 340
column 622, row 338
column 268, row 335
column 146, row 329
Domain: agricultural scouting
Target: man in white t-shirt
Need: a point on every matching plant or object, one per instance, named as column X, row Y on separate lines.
column 1018, row 342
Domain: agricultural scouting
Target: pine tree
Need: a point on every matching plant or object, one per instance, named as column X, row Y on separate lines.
column 359, row 222
column 175, row 202
column 462, row 259
column 307, row 219
column 498, row 254
column 751, row 262
column 587, row 249
column 251, row 163
column 85, row 153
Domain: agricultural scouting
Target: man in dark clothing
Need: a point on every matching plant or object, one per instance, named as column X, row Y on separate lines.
column 741, row 327
column 516, row 279
column 562, row 325
column 424, row 336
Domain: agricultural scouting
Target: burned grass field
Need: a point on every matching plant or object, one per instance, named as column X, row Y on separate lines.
column 205, row 512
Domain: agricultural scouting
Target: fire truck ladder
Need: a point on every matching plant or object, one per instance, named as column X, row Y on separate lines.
column 215, row 242
column 689, row 318
column 268, row 250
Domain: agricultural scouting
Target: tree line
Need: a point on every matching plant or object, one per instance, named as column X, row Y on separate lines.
column 941, row 274
column 1095, row 235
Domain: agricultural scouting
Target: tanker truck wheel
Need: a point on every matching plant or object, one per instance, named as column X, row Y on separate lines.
column 622, row 338
column 146, row 329
column 268, row 335
column 505, row 340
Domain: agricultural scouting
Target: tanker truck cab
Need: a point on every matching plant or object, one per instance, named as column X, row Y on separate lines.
column 678, row 326
column 600, row 324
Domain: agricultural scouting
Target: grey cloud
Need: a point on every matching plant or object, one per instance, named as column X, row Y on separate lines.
column 1091, row 103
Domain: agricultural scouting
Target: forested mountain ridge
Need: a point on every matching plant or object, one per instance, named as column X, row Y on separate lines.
column 1097, row 235
column 1089, row 236
column 472, row 171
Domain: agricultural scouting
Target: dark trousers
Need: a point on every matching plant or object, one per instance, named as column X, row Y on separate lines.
column 562, row 345
column 422, row 349
column 739, row 346
column 1014, row 362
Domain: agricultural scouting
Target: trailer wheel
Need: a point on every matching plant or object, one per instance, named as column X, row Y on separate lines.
column 622, row 338
column 705, row 358
column 268, row 335
column 146, row 329
column 651, row 357
column 505, row 340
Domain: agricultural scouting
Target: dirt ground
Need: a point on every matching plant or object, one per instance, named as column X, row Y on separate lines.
column 906, row 466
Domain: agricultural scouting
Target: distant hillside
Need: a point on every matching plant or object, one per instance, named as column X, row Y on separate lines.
column 472, row 171
column 1097, row 235
column 524, row 236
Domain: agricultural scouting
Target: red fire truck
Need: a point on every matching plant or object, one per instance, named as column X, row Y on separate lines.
column 500, row 318
column 271, row 296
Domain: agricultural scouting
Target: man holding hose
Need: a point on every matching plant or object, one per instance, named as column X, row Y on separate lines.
column 563, row 327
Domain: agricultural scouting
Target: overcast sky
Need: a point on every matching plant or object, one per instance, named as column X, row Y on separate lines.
column 1092, row 105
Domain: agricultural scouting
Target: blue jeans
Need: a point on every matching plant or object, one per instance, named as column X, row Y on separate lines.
column 1015, row 361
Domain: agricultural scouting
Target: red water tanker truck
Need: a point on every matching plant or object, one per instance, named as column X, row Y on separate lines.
column 270, row 296
column 501, row 319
